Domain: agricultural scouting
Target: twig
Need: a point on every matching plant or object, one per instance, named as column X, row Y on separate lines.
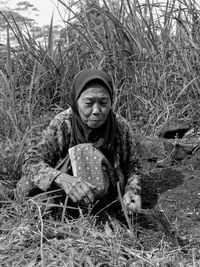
column 124, row 209
column 64, row 209
column 41, row 231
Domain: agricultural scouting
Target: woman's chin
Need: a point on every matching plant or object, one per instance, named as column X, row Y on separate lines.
column 94, row 124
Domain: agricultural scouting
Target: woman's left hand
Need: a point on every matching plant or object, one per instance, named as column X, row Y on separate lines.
column 132, row 201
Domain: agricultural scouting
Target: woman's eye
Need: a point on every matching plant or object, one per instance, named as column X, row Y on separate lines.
column 104, row 103
column 88, row 104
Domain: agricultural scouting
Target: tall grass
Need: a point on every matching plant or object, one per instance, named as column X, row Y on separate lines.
column 150, row 49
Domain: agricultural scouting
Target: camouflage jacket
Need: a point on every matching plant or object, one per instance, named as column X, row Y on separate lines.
column 39, row 169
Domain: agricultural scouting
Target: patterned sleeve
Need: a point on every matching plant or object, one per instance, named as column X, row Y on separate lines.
column 130, row 160
column 40, row 161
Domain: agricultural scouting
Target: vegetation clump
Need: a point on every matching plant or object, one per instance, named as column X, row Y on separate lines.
column 151, row 50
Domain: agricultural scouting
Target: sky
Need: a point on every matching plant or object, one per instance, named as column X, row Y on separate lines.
column 45, row 10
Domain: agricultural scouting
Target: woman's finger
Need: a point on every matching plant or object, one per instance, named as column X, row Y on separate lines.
column 78, row 189
column 132, row 206
column 127, row 199
column 92, row 187
column 87, row 190
column 75, row 195
column 90, row 195
column 81, row 190
column 135, row 205
column 86, row 200
column 83, row 187
column 72, row 198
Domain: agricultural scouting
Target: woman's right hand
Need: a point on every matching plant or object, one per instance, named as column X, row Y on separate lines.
column 75, row 188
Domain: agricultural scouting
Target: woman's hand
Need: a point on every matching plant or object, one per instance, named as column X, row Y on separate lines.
column 132, row 201
column 75, row 188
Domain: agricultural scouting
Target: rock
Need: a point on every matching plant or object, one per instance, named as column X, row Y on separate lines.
column 179, row 149
column 151, row 150
column 193, row 160
column 161, row 152
column 174, row 128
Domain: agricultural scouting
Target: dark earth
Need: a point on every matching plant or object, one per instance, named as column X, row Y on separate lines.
column 171, row 184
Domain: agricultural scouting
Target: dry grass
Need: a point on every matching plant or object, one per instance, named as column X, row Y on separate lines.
column 151, row 50
column 28, row 238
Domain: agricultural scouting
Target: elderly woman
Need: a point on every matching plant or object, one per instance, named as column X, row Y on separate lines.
column 86, row 150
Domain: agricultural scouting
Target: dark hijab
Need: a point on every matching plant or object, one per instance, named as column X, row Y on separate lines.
column 104, row 136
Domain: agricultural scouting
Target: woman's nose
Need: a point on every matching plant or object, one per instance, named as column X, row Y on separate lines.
column 96, row 109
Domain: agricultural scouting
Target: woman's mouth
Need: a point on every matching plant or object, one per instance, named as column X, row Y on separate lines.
column 95, row 123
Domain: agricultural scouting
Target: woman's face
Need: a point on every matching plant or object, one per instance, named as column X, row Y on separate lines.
column 94, row 104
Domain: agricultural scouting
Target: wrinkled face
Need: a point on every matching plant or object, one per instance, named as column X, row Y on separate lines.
column 94, row 105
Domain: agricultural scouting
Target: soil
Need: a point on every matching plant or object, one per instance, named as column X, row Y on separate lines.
column 175, row 191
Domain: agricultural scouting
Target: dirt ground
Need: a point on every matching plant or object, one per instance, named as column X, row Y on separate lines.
column 175, row 190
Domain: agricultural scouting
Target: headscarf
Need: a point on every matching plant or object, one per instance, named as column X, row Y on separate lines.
column 104, row 136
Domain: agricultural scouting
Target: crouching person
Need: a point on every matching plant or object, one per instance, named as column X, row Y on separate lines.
column 86, row 151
